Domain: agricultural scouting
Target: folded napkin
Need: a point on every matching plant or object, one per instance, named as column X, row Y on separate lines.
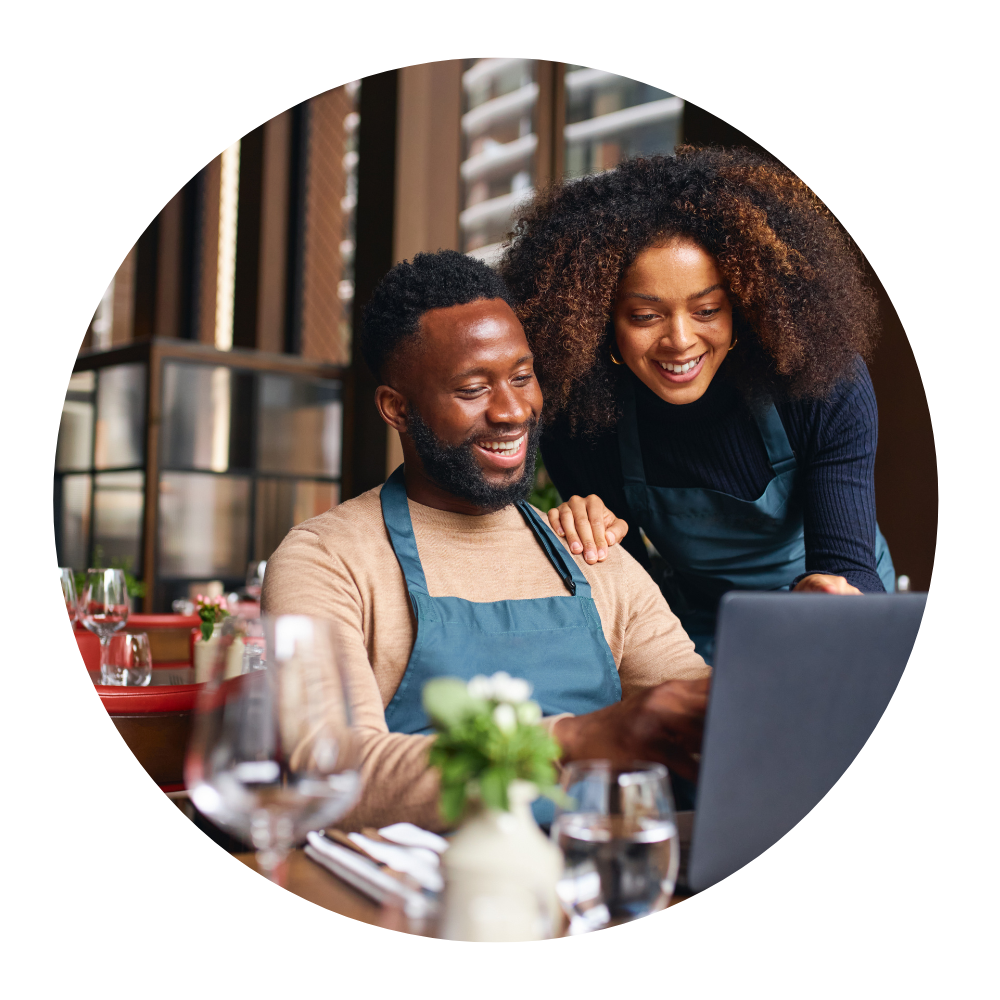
column 408, row 835
column 420, row 863
column 366, row 876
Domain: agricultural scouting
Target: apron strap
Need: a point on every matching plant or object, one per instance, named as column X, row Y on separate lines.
column 576, row 582
column 779, row 449
column 396, row 514
column 772, row 431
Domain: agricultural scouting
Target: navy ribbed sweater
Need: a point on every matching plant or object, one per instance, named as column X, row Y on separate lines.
column 714, row 443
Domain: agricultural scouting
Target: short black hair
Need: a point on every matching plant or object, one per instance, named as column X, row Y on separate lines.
column 412, row 288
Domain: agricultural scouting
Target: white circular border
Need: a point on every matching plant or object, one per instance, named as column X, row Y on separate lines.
column 113, row 107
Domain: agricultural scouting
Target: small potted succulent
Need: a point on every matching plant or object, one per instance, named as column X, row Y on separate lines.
column 494, row 759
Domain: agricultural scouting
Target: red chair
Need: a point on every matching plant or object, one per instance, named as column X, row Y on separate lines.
column 154, row 721
column 171, row 637
column 171, row 640
column 90, row 650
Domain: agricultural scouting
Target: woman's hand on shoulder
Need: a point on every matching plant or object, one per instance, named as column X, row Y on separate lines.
column 823, row 583
column 588, row 526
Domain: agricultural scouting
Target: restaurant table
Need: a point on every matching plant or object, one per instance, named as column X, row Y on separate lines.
column 311, row 881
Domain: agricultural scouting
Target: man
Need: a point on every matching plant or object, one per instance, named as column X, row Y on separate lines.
column 445, row 570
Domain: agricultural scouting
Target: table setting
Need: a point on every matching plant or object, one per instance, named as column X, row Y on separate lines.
column 314, row 874
column 270, row 759
column 273, row 762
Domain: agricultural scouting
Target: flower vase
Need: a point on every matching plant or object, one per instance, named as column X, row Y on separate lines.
column 204, row 656
column 500, row 875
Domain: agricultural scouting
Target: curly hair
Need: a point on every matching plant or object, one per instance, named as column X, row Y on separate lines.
column 802, row 310
column 409, row 289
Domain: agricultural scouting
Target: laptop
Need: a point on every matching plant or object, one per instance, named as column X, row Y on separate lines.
column 800, row 680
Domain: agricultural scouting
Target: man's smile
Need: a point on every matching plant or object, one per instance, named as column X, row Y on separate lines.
column 501, row 453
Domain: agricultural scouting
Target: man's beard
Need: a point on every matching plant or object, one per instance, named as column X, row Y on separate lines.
column 454, row 467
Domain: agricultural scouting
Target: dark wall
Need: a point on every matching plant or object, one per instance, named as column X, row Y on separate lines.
column 248, row 239
column 905, row 464
column 906, row 489
column 364, row 431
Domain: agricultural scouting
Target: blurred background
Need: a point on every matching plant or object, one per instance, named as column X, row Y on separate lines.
column 216, row 400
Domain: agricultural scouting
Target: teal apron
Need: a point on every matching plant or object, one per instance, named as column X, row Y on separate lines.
column 555, row 643
column 711, row 542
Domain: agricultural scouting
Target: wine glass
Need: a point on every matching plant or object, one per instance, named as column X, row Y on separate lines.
column 104, row 607
column 273, row 754
column 67, row 580
column 619, row 840
column 129, row 661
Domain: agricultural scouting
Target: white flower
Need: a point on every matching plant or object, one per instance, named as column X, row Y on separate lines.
column 512, row 690
column 528, row 712
column 480, row 687
column 505, row 718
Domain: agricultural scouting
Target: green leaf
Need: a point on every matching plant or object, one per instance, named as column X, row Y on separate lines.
column 493, row 787
column 447, row 702
column 462, row 766
column 134, row 587
column 453, row 802
column 475, row 759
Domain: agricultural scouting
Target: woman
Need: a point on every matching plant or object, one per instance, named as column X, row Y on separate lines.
column 700, row 324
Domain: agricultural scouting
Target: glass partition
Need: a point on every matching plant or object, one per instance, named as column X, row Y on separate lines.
column 118, row 508
column 610, row 118
column 121, row 417
column 75, row 448
column 73, row 499
column 299, row 425
column 204, row 525
column 196, row 416
column 99, row 516
column 245, row 456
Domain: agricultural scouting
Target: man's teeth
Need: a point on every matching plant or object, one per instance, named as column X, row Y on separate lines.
column 679, row 369
column 503, row 447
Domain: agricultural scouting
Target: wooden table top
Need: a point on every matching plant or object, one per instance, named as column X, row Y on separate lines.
column 310, row 880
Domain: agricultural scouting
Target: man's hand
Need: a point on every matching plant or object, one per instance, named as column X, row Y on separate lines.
column 662, row 724
column 588, row 526
column 823, row 583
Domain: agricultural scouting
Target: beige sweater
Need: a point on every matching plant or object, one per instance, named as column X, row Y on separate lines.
column 341, row 565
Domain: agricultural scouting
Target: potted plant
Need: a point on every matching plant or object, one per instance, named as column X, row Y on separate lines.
column 494, row 759
column 212, row 611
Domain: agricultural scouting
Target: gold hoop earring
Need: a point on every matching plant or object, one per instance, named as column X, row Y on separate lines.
column 733, row 344
column 611, row 352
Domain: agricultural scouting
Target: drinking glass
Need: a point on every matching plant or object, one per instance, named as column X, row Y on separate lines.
column 255, row 579
column 273, row 754
column 619, row 840
column 68, row 581
column 129, row 663
column 254, row 646
column 104, row 606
